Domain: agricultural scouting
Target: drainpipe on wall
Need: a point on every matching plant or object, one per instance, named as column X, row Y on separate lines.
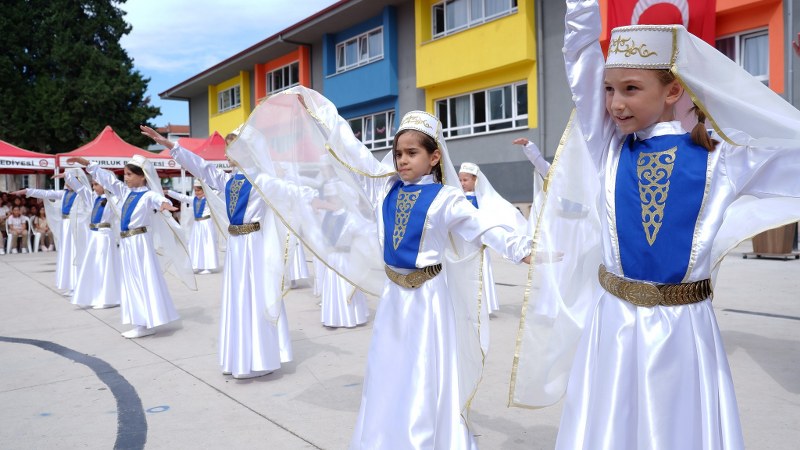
column 540, row 74
column 790, row 51
column 310, row 58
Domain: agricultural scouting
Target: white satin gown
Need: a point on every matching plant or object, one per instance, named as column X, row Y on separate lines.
column 248, row 341
column 144, row 297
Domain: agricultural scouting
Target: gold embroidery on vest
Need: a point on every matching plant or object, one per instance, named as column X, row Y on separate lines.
column 236, row 186
column 654, row 170
column 127, row 204
column 405, row 201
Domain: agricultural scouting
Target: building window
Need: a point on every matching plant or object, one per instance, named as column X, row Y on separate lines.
column 375, row 130
column 750, row 50
column 496, row 109
column 228, row 99
column 25, row 182
column 451, row 16
column 362, row 49
column 283, row 78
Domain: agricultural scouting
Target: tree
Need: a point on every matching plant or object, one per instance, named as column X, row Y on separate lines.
column 64, row 75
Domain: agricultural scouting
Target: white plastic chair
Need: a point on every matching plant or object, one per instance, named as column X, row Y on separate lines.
column 37, row 236
column 10, row 239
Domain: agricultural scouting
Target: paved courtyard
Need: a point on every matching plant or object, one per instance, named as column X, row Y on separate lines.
column 69, row 380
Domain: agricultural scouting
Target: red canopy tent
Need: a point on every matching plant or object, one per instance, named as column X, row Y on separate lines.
column 111, row 152
column 212, row 149
column 14, row 160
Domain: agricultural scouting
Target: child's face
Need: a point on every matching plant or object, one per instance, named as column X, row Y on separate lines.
column 636, row 98
column 15, row 211
column 133, row 180
column 97, row 188
column 198, row 192
column 412, row 159
column 467, row 181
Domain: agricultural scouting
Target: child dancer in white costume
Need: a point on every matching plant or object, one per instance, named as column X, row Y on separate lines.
column 482, row 195
column 145, row 300
column 649, row 366
column 98, row 281
column 343, row 305
column 203, row 235
column 250, row 344
column 64, row 231
column 420, row 371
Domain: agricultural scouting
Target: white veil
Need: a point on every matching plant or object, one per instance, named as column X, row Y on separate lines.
column 298, row 129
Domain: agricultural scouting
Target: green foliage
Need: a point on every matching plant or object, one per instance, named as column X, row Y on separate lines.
column 64, row 75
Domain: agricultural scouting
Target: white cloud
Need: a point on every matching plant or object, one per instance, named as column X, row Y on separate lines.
column 173, row 40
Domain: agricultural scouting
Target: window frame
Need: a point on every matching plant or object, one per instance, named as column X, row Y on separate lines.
column 288, row 67
column 738, row 48
column 372, row 143
column 471, row 20
column 488, row 126
column 340, row 50
column 236, row 91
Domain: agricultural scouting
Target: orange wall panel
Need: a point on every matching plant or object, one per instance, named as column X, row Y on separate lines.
column 301, row 55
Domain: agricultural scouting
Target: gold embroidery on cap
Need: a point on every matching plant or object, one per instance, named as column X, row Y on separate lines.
column 628, row 47
column 654, row 170
column 415, row 120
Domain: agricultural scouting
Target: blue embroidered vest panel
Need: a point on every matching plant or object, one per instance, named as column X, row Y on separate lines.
column 199, row 207
column 67, row 201
column 473, row 199
column 659, row 192
column 404, row 212
column 97, row 210
column 237, row 194
column 128, row 207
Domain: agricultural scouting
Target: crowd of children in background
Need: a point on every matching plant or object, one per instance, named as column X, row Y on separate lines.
column 21, row 221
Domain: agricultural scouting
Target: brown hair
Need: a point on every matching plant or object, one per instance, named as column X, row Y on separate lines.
column 135, row 169
column 699, row 132
column 428, row 143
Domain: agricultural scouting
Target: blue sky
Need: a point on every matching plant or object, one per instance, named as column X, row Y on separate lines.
column 173, row 40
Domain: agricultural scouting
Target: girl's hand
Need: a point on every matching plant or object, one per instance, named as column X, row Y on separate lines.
column 527, row 259
column 158, row 138
column 20, row 192
column 167, row 206
column 521, row 141
column 77, row 160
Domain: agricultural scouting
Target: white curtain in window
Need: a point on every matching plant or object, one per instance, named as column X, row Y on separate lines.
column 459, row 114
column 494, row 7
column 476, row 10
column 755, row 54
column 456, row 12
column 375, row 44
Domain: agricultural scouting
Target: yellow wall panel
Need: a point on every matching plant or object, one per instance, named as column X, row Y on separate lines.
column 499, row 43
column 227, row 121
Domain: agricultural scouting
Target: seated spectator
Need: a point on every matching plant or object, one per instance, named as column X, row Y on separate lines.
column 5, row 209
column 17, row 230
column 40, row 225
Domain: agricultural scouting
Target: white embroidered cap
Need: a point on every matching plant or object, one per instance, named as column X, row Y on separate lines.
column 197, row 183
column 420, row 121
column 138, row 161
column 470, row 168
column 642, row 47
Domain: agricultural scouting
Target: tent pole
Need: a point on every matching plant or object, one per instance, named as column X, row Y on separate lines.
column 183, row 181
column 55, row 172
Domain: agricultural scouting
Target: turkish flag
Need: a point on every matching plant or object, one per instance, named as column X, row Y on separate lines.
column 698, row 16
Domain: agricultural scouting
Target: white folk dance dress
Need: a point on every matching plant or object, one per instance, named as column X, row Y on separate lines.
column 98, row 280
column 489, row 300
column 343, row 305
column 66, row 267
column 249, row 342
column 411, row 387
column 203, row 236
column 145, row 299
column 655, row 377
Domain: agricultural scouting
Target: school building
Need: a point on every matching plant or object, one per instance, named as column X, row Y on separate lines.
column 491, row 70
